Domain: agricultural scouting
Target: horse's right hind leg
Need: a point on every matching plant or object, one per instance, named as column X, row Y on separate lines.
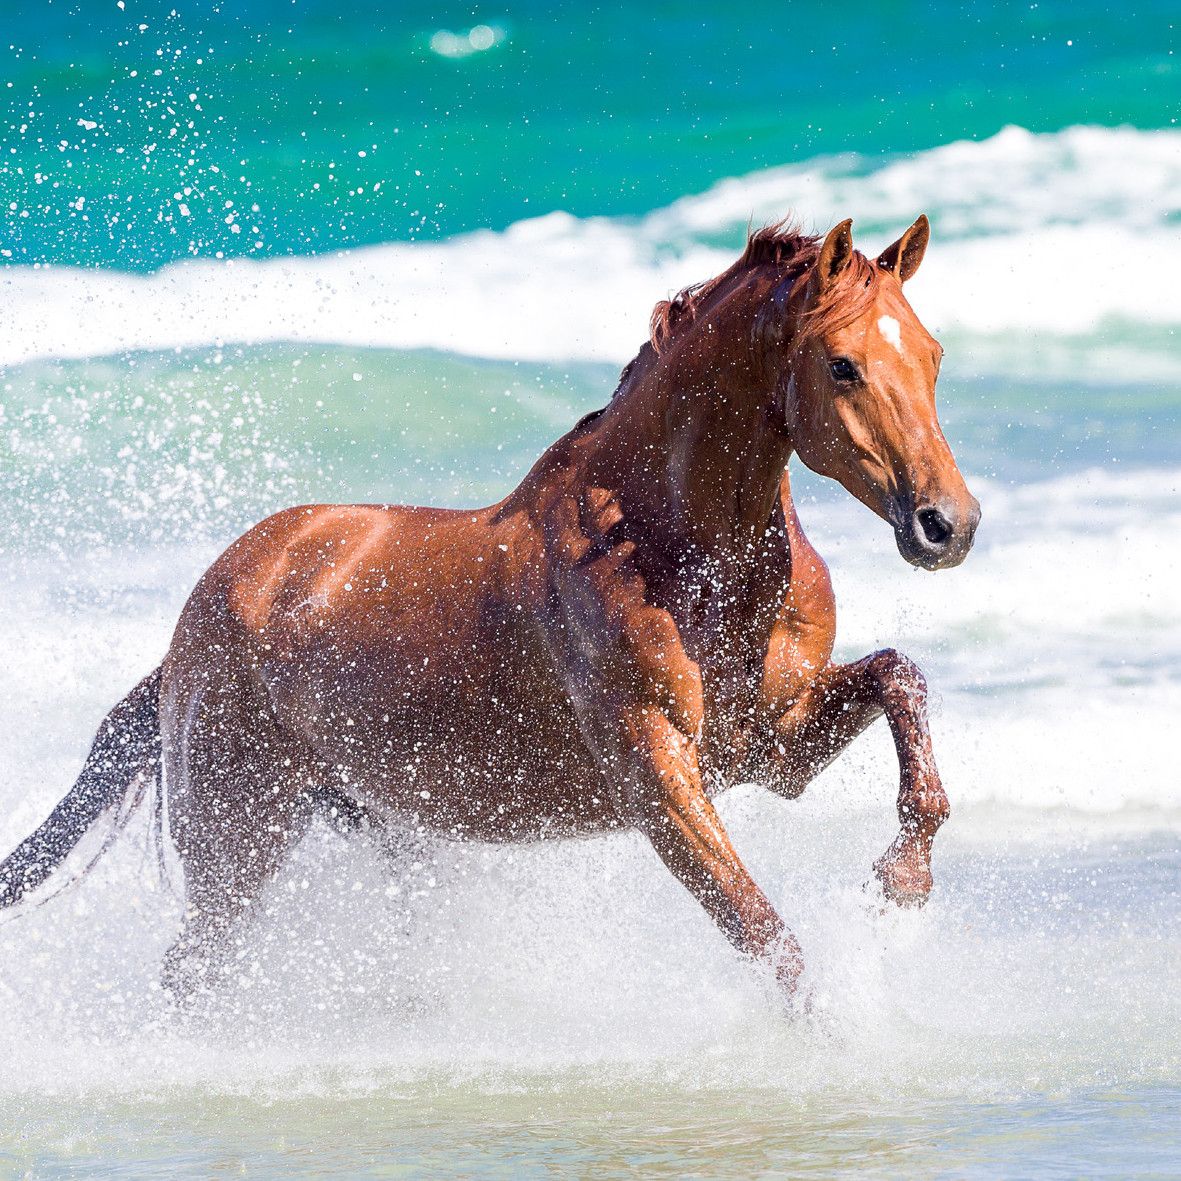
column 238, row 799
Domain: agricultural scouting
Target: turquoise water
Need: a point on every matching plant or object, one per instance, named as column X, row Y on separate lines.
column 415, row 324
column 332, row 125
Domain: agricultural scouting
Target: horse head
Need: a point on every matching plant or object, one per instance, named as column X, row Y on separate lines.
column 856, row 388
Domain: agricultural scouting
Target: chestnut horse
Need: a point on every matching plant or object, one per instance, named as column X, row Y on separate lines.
column 640, row 624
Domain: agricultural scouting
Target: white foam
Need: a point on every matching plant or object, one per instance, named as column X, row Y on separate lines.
column 1033, row 234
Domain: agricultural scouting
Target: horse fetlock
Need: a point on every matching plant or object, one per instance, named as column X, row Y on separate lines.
column 786, row 959
column 923, row 806
column 905, row 868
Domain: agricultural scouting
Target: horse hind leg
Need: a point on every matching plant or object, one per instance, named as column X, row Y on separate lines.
column 238, row 801
column 414, row 862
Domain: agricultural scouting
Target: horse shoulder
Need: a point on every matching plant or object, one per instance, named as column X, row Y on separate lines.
column 619, row 649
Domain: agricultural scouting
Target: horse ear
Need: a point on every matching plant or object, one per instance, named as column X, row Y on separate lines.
column 836, row 252
column 902, row 258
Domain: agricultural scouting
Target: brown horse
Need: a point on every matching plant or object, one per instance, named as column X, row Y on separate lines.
column 640, row 624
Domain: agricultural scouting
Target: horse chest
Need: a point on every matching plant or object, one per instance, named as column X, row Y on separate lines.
column 726, row 634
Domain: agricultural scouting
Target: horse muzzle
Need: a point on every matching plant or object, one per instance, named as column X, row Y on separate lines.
column 936, row 534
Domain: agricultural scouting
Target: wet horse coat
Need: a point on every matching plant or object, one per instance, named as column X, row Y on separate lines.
column 639, row 624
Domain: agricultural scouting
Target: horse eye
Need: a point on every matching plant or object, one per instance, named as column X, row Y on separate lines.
column 843, row 370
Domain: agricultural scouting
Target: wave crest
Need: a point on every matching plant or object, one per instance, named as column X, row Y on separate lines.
column 1067, row 234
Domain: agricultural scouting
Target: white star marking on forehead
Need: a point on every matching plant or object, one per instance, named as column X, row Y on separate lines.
column 891, row 330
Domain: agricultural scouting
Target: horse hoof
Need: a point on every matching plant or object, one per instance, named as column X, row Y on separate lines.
column 905, row 884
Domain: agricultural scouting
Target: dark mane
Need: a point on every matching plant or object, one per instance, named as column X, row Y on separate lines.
column 627, row 375
column 781, row 244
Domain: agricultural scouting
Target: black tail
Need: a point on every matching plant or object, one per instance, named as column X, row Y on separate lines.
column 125, row 755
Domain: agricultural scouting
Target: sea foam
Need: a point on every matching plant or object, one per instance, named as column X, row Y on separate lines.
column 1072, row 234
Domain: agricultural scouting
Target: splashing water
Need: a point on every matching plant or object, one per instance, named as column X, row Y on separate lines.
column 570, row 994
column 566, row 1006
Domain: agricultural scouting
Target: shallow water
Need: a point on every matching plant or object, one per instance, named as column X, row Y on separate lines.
column 566, row 1008
column 574, row 1013
column 447, row 1131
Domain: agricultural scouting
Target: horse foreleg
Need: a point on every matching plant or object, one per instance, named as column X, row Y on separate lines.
column 839, row 705
column 666, row 801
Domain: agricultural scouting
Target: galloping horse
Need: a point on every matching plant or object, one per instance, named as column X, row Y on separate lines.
column 640, row 624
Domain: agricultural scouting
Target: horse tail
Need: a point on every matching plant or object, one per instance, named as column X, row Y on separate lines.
column 124, row 759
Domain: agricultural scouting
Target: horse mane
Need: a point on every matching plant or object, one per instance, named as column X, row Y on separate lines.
column 780, row 244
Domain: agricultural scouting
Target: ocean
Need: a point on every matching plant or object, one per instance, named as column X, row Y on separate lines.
column 309, row 251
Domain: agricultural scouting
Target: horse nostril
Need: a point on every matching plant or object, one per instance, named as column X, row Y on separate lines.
column 937, row 529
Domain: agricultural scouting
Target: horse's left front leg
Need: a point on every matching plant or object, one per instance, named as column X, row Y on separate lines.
column 838, row 706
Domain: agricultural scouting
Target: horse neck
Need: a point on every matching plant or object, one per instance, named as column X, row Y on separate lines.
column 691, row 448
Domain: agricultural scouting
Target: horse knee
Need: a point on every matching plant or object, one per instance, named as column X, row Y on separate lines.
column 898, row 675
